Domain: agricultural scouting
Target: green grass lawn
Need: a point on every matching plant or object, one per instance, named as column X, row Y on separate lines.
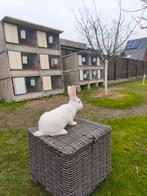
column 133, row 94
column 129, row 152
column 11, row 106
column 129, row 158
column 129, row 161
column 128, row 99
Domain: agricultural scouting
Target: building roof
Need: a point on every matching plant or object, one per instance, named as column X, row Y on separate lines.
column 135, row 49
column 33, row 25
column 72, row 44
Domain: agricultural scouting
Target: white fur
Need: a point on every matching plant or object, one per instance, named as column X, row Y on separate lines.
column 53, row 122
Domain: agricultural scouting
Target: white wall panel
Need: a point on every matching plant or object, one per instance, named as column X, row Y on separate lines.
column 98, row 61
column 41, row 38
column 99, row 74
column 90, row 74
column 19, row 85
column 15, row 60
column 46, row 83
column 81, row 75
column 11, row 33
column 44, row 61
column 80, row 60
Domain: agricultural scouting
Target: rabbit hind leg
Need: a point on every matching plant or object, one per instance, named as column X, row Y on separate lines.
column 61, row 132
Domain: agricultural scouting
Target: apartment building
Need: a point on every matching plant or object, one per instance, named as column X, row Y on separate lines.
column 30, row 60
column 69, row 47
column 81, row 66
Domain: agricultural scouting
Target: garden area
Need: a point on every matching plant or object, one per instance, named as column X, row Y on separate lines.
column 124, row 109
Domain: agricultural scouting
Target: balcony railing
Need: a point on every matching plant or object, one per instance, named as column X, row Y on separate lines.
column 56, row 66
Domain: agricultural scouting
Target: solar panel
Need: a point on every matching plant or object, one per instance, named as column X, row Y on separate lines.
column 132, row 44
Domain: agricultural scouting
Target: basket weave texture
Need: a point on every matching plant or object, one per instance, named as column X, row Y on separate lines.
column 73, row 164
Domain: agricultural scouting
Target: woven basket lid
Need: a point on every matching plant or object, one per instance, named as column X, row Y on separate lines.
column 78, row 136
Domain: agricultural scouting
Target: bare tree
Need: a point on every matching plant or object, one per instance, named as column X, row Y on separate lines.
column 141, row 11
column 143, row 18
column 107, row 39
column 142, row 23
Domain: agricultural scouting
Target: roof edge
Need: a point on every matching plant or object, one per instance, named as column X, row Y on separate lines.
column 26, row 23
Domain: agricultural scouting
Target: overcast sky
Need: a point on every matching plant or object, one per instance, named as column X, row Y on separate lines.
column 58, row 14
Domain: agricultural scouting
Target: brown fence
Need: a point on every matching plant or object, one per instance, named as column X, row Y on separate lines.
column 123, row 68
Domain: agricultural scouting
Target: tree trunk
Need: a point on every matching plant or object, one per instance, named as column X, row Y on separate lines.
column 106, row 77
column 143, row 79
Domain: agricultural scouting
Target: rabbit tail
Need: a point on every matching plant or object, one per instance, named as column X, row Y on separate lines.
column 37, row 133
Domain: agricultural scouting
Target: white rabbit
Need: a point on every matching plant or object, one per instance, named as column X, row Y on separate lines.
column 54, row 122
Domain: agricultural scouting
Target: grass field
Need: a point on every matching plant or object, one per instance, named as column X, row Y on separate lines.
column 129, row 142
column 120, row 99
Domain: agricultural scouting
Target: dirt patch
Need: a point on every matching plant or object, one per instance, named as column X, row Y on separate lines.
column 29, row 114
column 111, row 95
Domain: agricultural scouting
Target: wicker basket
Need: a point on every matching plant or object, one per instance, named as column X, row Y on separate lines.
column 73, row 164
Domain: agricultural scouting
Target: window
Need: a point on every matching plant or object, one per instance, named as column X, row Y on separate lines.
column 22, row 34
column 29, row 61
column 94, row 60
column 24, row 59
column 32, row 82
column 90, row 74
column 54, row 61
column 94, row 73
column 50, row 39
column 85, row 74
column 83, row 59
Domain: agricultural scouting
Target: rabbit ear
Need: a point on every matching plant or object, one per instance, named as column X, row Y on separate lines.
column 72, row 91
column 69, row 91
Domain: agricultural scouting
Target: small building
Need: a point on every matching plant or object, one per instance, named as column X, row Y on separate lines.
column 136, row 49
column 30, row 60
column 69, row 47
column 81, row 66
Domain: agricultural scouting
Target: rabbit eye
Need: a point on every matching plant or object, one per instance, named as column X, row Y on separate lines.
column 79, row 102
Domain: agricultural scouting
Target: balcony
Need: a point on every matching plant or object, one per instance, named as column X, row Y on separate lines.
column 52, row 40
column 57, row 82
column 95, row 61
column 27, row 36
column 54, row 62
column 88, row 59
column 83, row 60
column 33, row 84
column 86, row 75
column 24, row 85
column 29, row 61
